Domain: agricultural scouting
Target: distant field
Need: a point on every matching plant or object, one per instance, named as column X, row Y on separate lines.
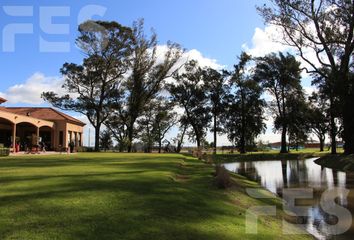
column 123, row 196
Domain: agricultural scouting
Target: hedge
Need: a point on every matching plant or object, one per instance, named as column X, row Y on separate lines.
column 4, row 152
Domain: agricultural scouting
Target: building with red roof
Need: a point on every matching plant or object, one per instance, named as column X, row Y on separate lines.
column 21, row 127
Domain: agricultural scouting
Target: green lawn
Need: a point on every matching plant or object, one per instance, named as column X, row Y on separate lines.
column 123, row 196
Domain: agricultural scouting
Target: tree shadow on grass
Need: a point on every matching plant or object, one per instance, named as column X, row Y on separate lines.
column 116, row 200
column 153, row 208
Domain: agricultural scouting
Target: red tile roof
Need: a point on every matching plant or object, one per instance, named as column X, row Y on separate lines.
column 49, row 114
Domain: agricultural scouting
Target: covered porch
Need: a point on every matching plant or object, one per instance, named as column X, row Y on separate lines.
column 22, row 133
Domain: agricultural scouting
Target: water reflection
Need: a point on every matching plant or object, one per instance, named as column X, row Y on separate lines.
column 277, row 175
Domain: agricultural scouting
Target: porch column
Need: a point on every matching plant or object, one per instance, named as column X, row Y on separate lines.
column 14, row 138
column 81, row 139
column 76, row 142
column 37, row 135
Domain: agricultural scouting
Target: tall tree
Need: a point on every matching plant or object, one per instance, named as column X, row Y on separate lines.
column 106, row 140
column 164, row 120
column 145, row 125
column 95, row 83
column 298, row 124
column 326, row 94
column 318, row 119
column 148, row 74
column 325, row 29
column 215, row 82
column 117, row 123
column 179, row 139
column 280, row 75
column 244, row 115
column 190, row 94
column 158, row 118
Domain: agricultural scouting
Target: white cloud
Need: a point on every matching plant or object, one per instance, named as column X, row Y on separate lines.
column 189, row 55
column 30, row 91
column 271, row 39
column 264, row 42
column 202, row 60
column 192, row 54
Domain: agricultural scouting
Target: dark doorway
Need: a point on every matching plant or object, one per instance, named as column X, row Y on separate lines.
column 25, row 134
column 45, row 136
column 5, row 133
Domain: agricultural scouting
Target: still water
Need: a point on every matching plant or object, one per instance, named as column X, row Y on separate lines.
column 304, row 174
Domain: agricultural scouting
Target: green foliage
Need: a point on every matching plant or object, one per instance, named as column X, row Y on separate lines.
column 299, row 120
column 329, row 104
column 4, row 152
column 94, row 84
column 319, row 118
column 106, row 142
column 217, row 91
column 189, row 93
column 244, row 119
column 322, row 28
column 280, row 75
column 145, row 81
column 157, row 119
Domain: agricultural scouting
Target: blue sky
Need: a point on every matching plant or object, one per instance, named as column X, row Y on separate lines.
column 217, row 30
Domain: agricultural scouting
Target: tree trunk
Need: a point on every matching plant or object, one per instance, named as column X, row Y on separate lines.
column 348, row 127
column 121, row 148
column 215, row 134
column 130, row 141
column 180, row 141
column 179, row 147
column 130, row 135
column 242, row 145
column 197, row 136
column 283, row 140
column 321, row 144
column 160, row 146
column 198, row 142
column 97, row 138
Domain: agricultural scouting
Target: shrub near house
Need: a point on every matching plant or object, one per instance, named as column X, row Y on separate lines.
column 4, row 151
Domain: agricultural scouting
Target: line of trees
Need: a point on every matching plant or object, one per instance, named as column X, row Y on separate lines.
column 324, row 30
column 124, row 84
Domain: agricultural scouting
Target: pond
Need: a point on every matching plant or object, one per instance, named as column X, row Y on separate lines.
column 305, row 175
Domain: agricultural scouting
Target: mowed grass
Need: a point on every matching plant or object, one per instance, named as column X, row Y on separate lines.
column 123, row 196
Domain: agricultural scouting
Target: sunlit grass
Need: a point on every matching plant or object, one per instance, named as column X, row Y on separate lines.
column 122, row 196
